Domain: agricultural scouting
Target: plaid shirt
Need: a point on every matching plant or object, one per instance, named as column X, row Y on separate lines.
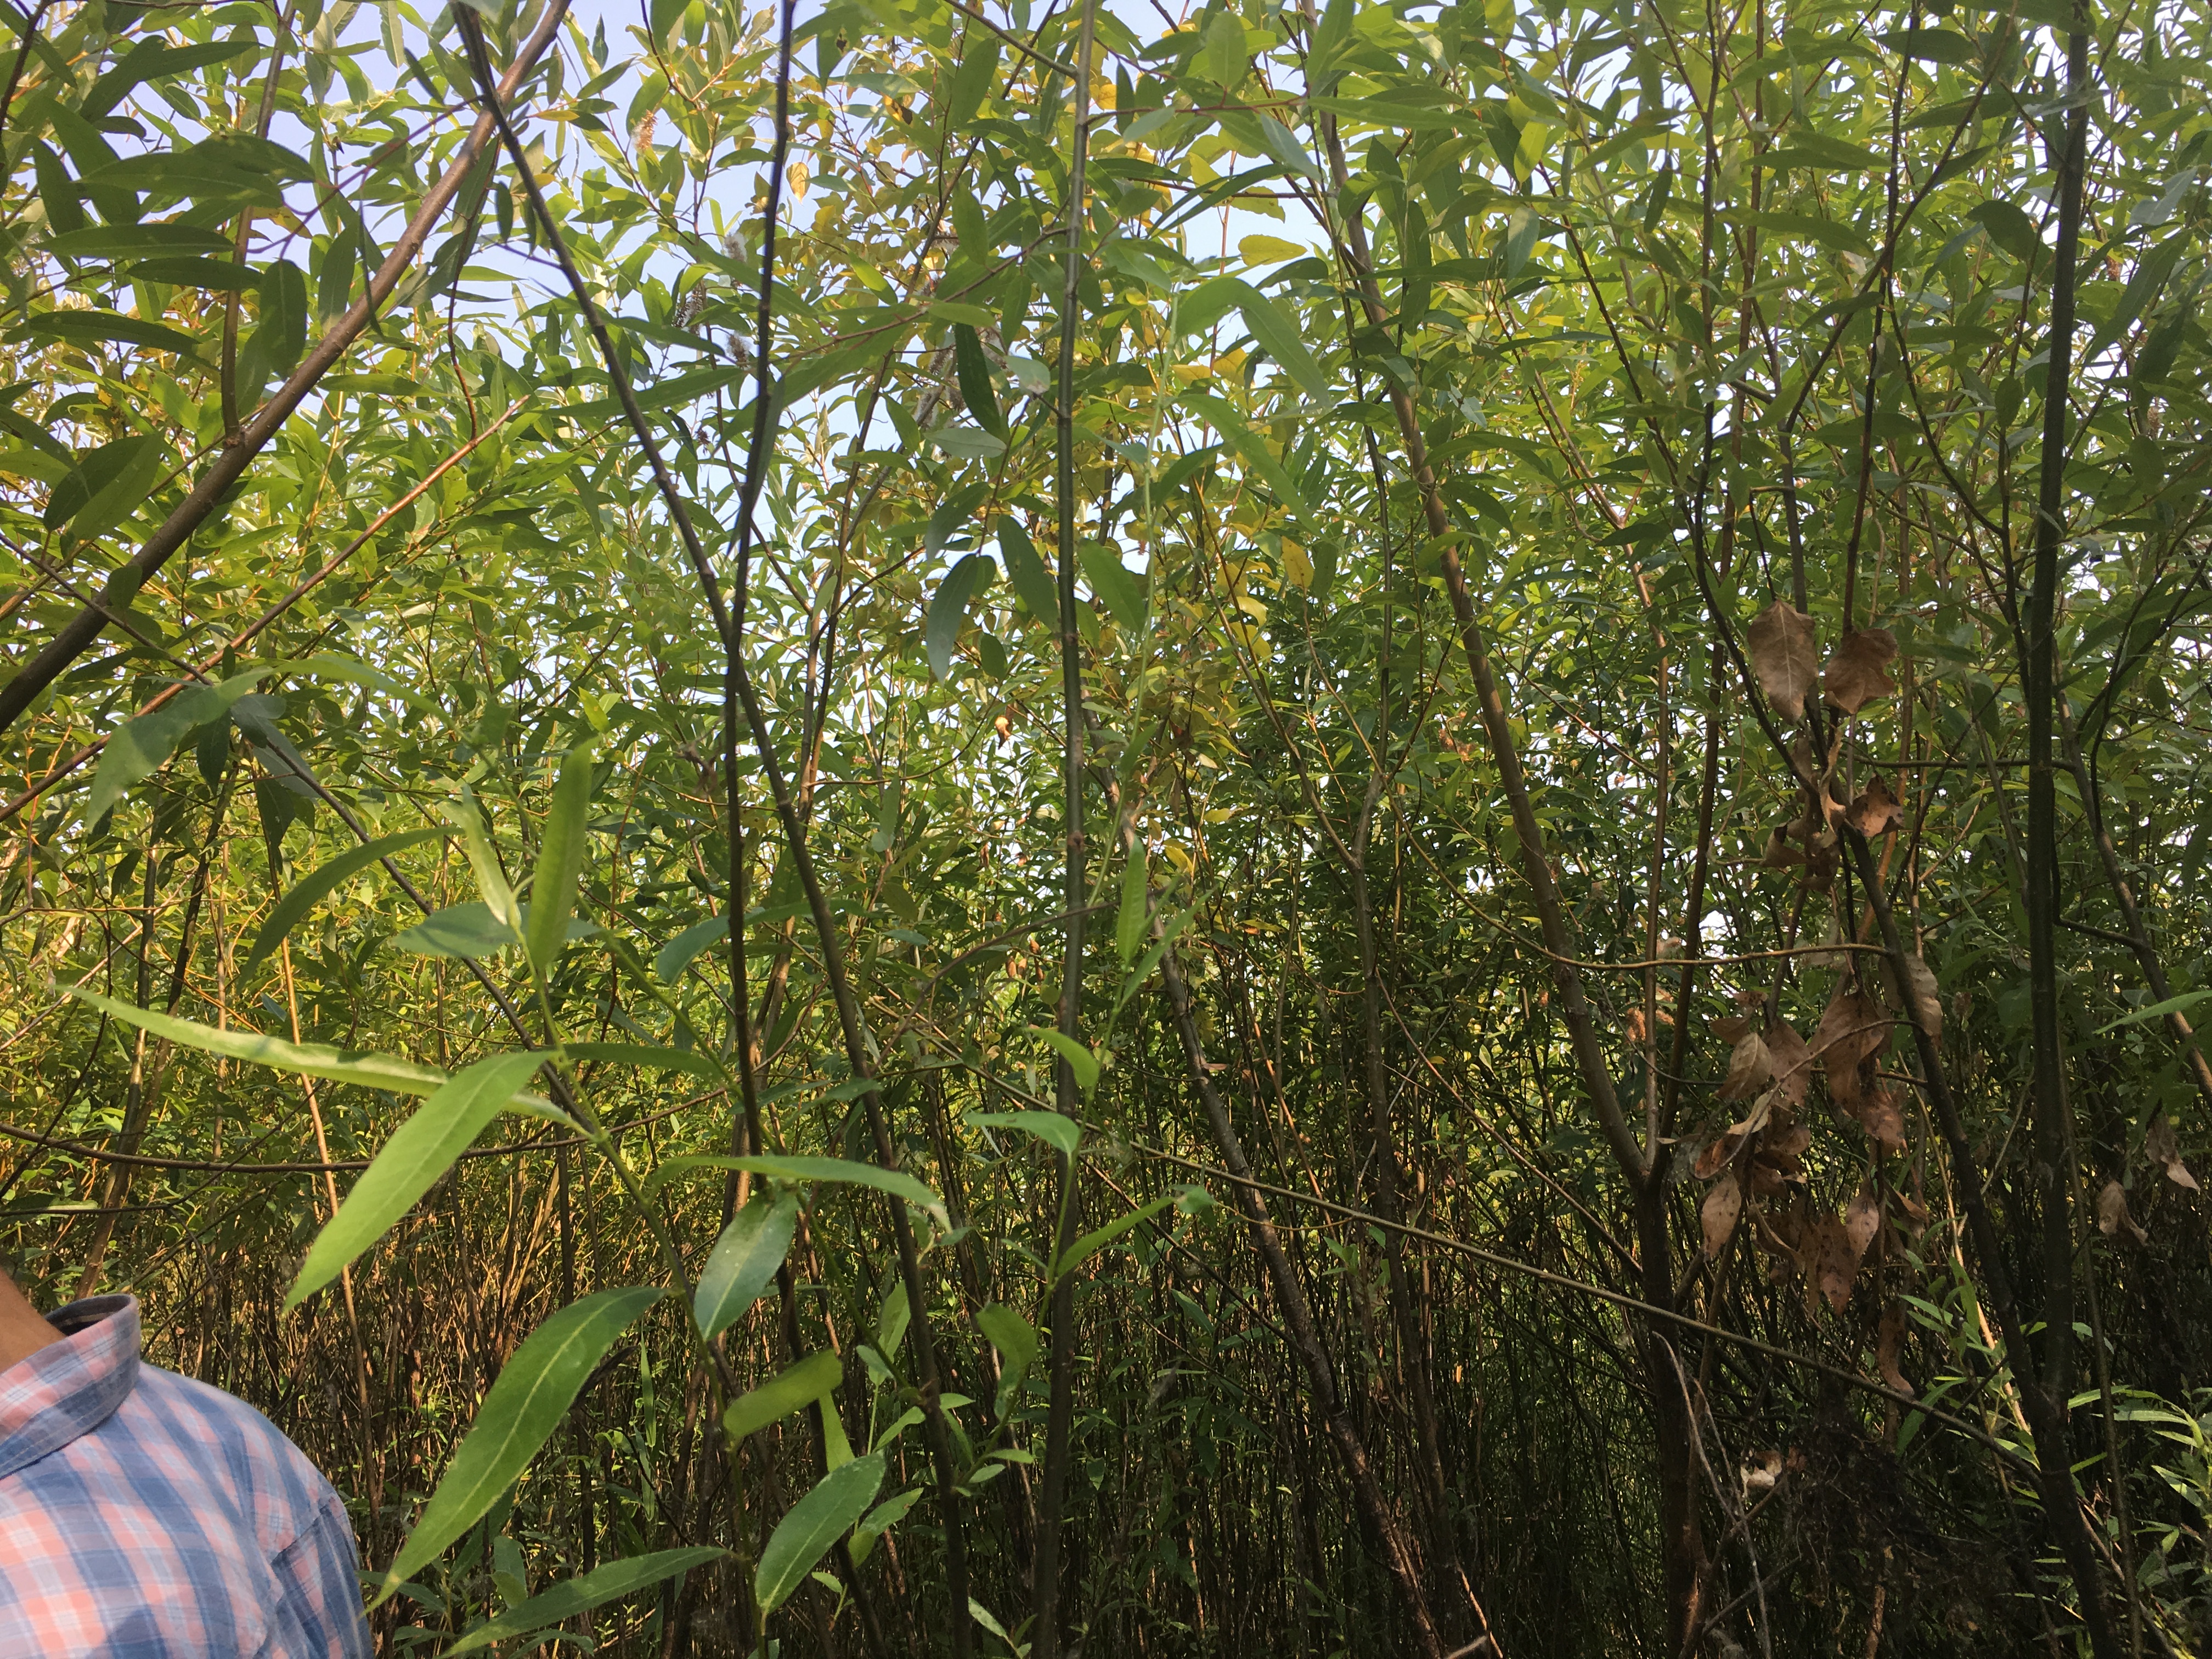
column 143, row 1515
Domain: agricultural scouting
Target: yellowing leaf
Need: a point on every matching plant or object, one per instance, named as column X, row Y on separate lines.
column 1780, row 642
column 1263, row 250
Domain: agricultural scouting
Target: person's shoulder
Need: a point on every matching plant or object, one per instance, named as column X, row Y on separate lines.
column 241, row 1450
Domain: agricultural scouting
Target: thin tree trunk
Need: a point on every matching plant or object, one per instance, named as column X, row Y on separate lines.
column 1297, row 1319
column 1059, row 1411
column 2046, row 1400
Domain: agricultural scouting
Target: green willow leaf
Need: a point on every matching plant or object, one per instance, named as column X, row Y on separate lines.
column 1136, row 894
column 1031, row 582
column 2173, row 1004
column 93, row 327
column 312, row 888
column 1118, row 587
column 676, row 955
column 816, row 1522
column 142, row 745
column 564, row 1601
column 652, row 1056
column 1061, row 1133
column 521, row 1410
column 796, row 1385
column 560, row 860
column 327, row 665
column 483, row 860
column 948, row 608
column 974, row 371
column 1013, row 1336
column 1081, row 1060
column 743, row 1259
column 372, row 1070
column 1090, row 1243
column 972, row 80
column 420, row 1151
column 896, row 1182
column 468, row 931
column 108, row 485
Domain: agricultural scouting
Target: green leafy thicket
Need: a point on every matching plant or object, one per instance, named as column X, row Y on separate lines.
column 1360, row 828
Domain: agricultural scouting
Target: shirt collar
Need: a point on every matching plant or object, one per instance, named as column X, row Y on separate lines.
column 69, row 1388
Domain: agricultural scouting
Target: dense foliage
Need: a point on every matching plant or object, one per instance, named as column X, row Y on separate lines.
column 1461, row 750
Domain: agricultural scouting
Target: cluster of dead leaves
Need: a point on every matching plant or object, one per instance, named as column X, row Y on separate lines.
column 1755, row 1166
column 2162, row 1149
column 1874, row 811
column 1785, row 656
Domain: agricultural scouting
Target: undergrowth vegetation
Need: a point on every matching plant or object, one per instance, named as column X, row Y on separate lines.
column 1028, row 829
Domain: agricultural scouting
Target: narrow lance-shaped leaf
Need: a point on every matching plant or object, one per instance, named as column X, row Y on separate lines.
column 420, row 1151
column 1031, row 582
column 743, row 1259
column 1129, row 924
column 1051, row 1127
column 816, row 1522
column 898, row 1182
column 948, row 608
column 974, row 371
column 1092, row 1242
column 796, row 1385
column 971, row 81
column 312, row 888
column 491, row 878
column 522, row 1409
column 372, row 1070
column 1081, row 1060
column 676, row 955
column 560, row 860
column 140, row 747
column 650, row 1055
column 563, row 1602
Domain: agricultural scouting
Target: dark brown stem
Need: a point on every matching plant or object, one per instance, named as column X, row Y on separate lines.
column 2046, row 1419
column 1297, row 1319
column 854, row 1032
column 1059, row 1411
column 2054, row 1156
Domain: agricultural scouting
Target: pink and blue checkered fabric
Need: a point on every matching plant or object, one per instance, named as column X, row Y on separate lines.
column 143, row 1515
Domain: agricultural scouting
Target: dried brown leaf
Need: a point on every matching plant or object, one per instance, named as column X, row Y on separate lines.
column 1749, row 1067
column 1716, row 1153
column 1731, row 1029
column 1832, row 1249
column 1880, row 1116
column 1820, row 863
column 1760, row 1473
column 2113, row 1218
column 1792, row 1060
column 1862, row 1218
column 1852, row 1030
column 1779, row 854
column 2161, row 1147
column 1782, row 655
column 1783, row 1148
column 1875, row 810
column 1761, row 1112
column 1854, row 678
column 1922, row 1000
column 1723, row 1205
column 1830, row 1263
column 1889, row 1343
